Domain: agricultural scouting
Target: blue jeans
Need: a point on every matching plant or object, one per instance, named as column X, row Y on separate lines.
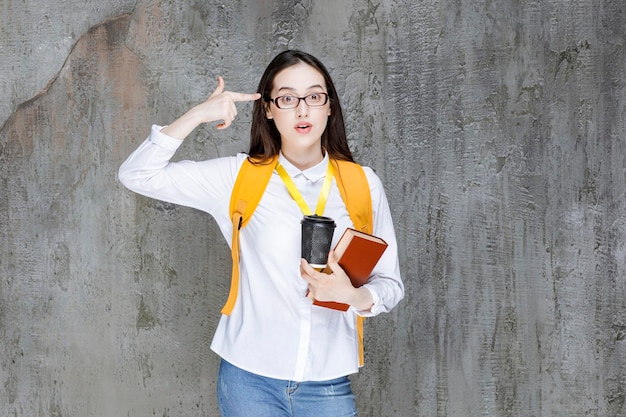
column 244, row 394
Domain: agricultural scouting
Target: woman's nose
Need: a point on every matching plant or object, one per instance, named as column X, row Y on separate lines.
column 303, row 109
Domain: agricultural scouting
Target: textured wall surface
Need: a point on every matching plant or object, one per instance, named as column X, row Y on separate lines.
column 498, row 128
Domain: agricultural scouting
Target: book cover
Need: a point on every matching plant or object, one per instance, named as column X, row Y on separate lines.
column 358, row 253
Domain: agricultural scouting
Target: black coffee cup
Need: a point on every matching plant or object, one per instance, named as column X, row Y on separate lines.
column 317, row 236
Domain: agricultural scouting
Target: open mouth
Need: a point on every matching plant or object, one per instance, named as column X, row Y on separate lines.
column 303, row 127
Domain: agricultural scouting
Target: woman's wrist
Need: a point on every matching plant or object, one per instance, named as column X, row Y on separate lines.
column 184, row 125
column 361, row 299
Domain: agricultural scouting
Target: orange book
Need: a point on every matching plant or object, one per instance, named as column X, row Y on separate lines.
column 358, row 254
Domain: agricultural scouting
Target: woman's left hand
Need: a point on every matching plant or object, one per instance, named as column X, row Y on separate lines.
column 335, row 286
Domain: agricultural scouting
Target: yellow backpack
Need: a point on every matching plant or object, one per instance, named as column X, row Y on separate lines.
column 249, row 187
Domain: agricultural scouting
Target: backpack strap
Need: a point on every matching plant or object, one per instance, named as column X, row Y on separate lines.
column 355, row 192
column 249, row 187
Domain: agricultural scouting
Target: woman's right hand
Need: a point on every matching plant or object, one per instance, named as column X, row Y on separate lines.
column 219, row 106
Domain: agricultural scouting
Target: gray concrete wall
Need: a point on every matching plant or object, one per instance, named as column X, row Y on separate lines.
column 498, row 128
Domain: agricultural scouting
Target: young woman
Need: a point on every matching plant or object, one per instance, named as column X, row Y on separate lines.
column 281, row 355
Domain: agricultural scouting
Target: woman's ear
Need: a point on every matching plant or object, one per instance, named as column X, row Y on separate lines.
column 268, row 112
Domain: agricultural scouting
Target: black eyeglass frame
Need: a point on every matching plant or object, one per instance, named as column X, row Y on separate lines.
column 275, row 100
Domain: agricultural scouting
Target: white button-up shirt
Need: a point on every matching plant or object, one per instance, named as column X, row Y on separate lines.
column 274, row 330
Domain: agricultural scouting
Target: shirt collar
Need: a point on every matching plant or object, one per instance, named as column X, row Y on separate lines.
column 315, row 173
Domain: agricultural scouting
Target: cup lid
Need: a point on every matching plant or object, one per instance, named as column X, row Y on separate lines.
column 318, row 219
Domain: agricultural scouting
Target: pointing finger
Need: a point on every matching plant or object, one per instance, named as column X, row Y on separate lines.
column 243, row 96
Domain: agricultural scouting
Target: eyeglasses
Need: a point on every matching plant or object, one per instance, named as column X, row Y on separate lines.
column 291, row 102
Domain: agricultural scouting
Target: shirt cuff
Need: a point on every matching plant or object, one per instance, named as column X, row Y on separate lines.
column 376, row 309
column 163, row 140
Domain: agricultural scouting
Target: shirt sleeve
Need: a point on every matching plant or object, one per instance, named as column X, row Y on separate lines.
column 385, row 284
column 199, row 184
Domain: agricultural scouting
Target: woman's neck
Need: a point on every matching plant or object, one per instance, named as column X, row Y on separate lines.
column 304, row 159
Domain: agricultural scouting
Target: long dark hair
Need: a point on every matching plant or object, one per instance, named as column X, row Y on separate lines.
column 264, row 137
